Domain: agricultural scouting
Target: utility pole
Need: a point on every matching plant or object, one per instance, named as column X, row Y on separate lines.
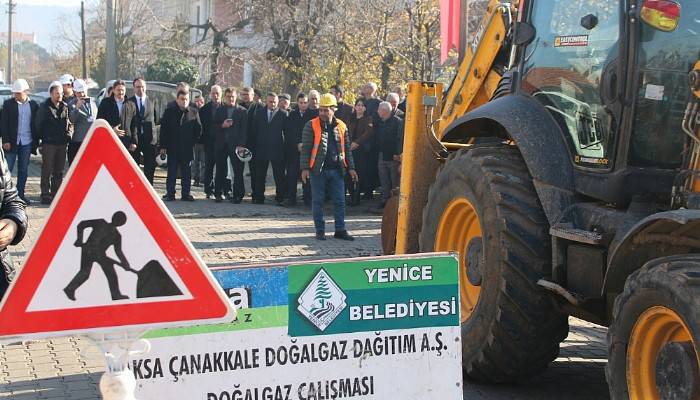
column 82, row 35
column 10, row 11
column 111, row 51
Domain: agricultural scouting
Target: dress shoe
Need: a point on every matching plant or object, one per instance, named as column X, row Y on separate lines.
column 237, row 200
column 26, row 200
column 187, row 197
column 258, row 201
column 218, row 199
column 320, row 236
column 289, row 203
column 197, row 183
column 168, row 197
column 46, row 200
column 343, row 235
column 120, row 297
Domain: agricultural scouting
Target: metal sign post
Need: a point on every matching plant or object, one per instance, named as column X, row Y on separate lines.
column 118, row 382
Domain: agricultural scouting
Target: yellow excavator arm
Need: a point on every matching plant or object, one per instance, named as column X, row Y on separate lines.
column 428, row 114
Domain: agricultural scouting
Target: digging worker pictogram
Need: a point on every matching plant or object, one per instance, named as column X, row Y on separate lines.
column 104, row 235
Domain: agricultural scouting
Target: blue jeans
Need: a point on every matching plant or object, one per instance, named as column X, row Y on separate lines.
column 185, row 175
column 329, row 181
column 23, row 152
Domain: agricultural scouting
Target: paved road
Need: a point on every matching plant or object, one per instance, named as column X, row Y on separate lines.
column 225, row 234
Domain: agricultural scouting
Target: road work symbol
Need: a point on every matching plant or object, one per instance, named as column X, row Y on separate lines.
column 109, row 257
column 153, row 281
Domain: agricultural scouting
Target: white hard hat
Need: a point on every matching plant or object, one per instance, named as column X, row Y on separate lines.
column 162, row 160
column 19, row 86
column 56, row 84
column 79, row 85
column 66, row 79
column 244, row 154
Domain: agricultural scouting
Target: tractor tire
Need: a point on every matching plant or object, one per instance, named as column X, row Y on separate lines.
column 660, row 304
column 511, row 328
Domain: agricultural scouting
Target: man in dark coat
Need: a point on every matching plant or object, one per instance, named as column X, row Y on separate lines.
column 298, row 117
column 121, row 115
column 13, row 225
column 53, row 132
column 180, row 129
column 146, row 119
column 268, row 136
column 231, row 132
column 17, row 124
column 249, row 102
column 344, row 111
column 206, row 116
column 388, row 137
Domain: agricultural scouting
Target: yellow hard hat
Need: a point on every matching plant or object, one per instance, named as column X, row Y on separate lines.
column 328, row 100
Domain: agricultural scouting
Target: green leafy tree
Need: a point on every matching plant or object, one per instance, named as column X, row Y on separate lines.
column 167, row 68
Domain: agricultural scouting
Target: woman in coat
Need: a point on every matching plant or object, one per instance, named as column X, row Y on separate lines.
column 360, row 132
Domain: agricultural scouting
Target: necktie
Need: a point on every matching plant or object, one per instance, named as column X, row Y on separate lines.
column 269, row 116
column 141, row 106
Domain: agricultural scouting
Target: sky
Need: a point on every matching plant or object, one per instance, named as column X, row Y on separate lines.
column 42, row 16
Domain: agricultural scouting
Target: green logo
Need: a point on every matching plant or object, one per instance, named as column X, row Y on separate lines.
column 322, row 301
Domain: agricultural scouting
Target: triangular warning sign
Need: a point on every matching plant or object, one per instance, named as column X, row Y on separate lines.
column 109, row 257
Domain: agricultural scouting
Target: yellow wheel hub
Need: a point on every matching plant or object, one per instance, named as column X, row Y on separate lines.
column 654, row 328
column 458, row 225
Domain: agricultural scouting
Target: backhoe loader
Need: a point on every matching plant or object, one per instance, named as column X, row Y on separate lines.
column 563, row 165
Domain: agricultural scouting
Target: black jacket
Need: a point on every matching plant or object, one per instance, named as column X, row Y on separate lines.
column 389, row 137
column 252, row 109
column 9, row 121
column 268, row 137
column 344, row 112
column 145, row 123
column 206, row 117
column 52, row 124
column 292, row 130
column 179, row 131
column 13, row 208
column 237, row 134
column 109, row 111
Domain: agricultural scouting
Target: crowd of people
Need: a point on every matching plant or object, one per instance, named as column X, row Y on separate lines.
column 330, row 147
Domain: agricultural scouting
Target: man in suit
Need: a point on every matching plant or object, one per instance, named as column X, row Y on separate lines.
column 146, row 121
column 298, row 117
column 231, row 133
column 121, row 115
column 268, row 136
column 344, row 111
column 249, row 103
column 206, row 116
column 180, row 129
column 18, row 125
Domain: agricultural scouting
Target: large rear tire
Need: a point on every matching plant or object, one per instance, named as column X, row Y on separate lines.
column 657, row 315
column 484, row 205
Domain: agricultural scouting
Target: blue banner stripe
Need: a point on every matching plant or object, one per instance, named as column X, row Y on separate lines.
column 267, row 286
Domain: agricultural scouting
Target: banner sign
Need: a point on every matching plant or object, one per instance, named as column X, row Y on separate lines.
column 374, row 328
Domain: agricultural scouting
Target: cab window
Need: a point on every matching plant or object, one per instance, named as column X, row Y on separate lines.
column 564, row 68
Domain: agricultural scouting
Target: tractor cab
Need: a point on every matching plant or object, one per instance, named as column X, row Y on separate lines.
column 614, row 76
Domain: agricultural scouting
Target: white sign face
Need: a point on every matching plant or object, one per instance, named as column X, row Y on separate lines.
column 98, row 248
column 296, row 337
column 415, row 364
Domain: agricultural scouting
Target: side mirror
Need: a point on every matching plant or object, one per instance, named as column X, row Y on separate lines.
column 661, row 14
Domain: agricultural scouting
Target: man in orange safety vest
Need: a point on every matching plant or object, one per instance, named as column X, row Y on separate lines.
column 325, row 159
